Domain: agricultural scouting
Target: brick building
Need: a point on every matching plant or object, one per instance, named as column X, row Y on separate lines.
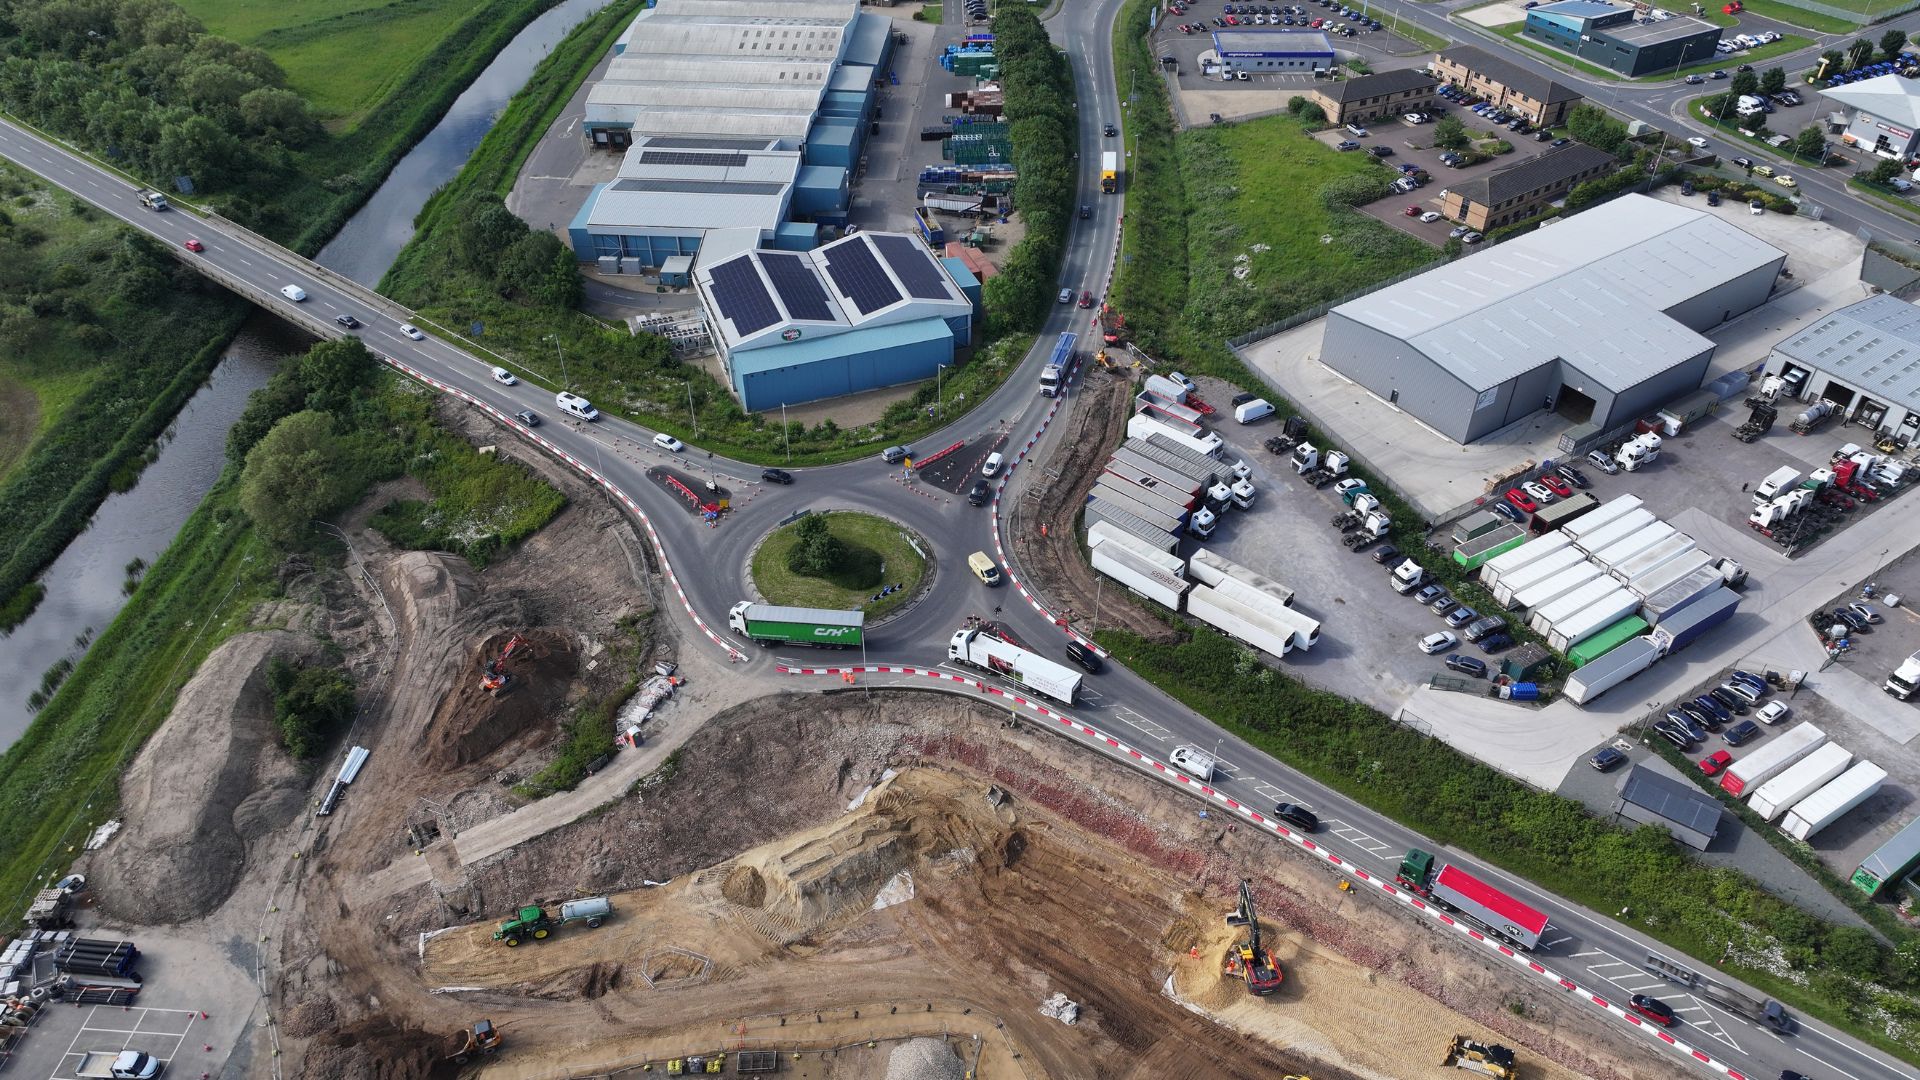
column 1370, row 97
column 1519, row 191
column 1506, row 84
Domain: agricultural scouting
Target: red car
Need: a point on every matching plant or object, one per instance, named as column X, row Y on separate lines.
column 195, row 245
column 1653, row 1009
column 1557, row 485
column 1520, row 501
column 1713, row 763
column 1086, row 298
column 1411, row 211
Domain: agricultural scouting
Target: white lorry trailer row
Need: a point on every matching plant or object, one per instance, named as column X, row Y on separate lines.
column 1546, row 591
column 1834, row 801
column 1497, row 568
column 1141, row 574
column 1801, row 779
column 1580, row 599
column 1605, row 514
column 1142, row 425
column 1211, row 568
column 1613, row 531
column 1627, row 547
column 978, row 649
column 1242, row 622
column 1100, row 533
column 1653, row 558
column 1748, row 773
column 1521, row 578
column 1592, row 619
column 1652, row 581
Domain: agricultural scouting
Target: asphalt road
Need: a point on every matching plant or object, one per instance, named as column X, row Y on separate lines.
column 1592, row 952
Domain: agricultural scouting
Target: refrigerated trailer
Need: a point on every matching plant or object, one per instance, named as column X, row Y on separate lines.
column 1610, row 670
column 1613, row 531
column 1676, row 597
column 1168, row 477
column 1174, row 494
column 1594, row 619
column 1145, row 496
column 1604, row 642
column 1141, row 574
column 1628, row 546
column 978, row 649
column 1659, row 578
column 1523, row 556
column 1891, row 861
column 1655, row 556
column 1604, row 514
column 1769, row 761
column 1552, row 588
column 1834, row 801
column 1099, row 511
column 1101, row 532
column 1179, row 450
column 1519, row 580
column 1112, row 493
column 1545, row 616
column 1799, row 780
column 1241, row 622
column 1211, row 568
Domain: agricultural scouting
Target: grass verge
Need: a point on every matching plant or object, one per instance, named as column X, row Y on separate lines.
column 1408, row 29
column 1892, row 200
column 1798, row 16
column 879, row 553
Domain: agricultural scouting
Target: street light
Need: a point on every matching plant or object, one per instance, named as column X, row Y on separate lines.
column 939, row 388
column 555, row 338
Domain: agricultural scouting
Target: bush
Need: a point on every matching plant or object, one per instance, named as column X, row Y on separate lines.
column 309, row 705
column 1356, row 190
column 1309, row 113
column 1592, row 125
column 1038, row 86
column 819, row 552
column 293, row 476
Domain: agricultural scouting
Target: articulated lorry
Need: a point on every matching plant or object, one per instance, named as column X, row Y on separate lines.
column 769, row 624
column 1463, row 894
column 1732, row 999
column 976, row 648
column 1053, row 377
column 1109, row 172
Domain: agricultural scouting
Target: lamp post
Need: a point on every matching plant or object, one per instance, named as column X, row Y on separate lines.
column 691, row 416
column 786, row 432
column 939, row 389
column 555, row 338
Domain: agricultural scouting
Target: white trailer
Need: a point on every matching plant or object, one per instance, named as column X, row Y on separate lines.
column 1801, row 779
column 1546, row 615
column 1240, row 621
column 1142, row 426
column 1145, row 495
column 1633, row 544
column 1675, row 598
column 1162, row 447
column 1541, row 593
column 1834, row 801
column 1652, row 579
column 1112, row 493
column 1614, row 531
column 1617, row 666
column 1497, row 568
column 976, row 648
column 1167, row 476
column 1167, row 388
column 1596, row 617
column 1606, row 513
column 1660, row 554
column 1099, row 511
column 1141, row 574
column 1101, row 532
column 1521, row 578
column 1749, row 772
column 1211, row 568
column 1306, row 629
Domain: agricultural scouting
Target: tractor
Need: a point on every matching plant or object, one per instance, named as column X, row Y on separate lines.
column 1483, row 1058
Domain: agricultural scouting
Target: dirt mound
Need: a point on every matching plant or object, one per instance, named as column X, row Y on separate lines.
column 378, row 1050
column 745, row 886
column 925, row 1059
column 472, row 723
column 208, row 782
column 582, row 984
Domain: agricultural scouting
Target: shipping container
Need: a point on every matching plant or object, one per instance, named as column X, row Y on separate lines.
column 1771, row 759
column 1519, row 580
column 1834, row 801
column 1167, row 388
column 1565, row 607
column 1627, row 547
column 1489, row 545
column 1537, row 548
column 1660, row 554
column 1799, row 780
column 1631, row 658
column 1099, row 510
column 1111, row 493
column 1660, row 577
column 1892, row 861
column 1214, row 569
column 1604, row 642
column 1678, row 631
column 1613, row 532
column 1140, row 574
column 1555, row 514
column 1239, row 621
column 1573, row 630
column 1100, row 533
column 1478, row 523
column 1541, row 593
column 1606, row 513
column 1167, row 476
column 1206, row 444
column 1673, row 599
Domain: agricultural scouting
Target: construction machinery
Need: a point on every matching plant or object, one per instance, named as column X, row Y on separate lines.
column 536, row 922
column 1250, row 959
column 495, row 678
column 480, row 1040
column 1113, row 325
column 1482, row 1058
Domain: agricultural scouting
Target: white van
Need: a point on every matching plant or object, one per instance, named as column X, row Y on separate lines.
column 293, row 292
column 1248, row 411
column 577, row 405
column 1193, row 761
column 990, row 468
column 504, row 377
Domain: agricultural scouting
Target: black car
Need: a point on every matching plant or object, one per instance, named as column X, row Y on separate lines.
column 1730, row 699
column 1509, row 512
column 1674, row 734
column 1496, row 643
column 1111, row 131
column 777, row 476
column 1085, row 211
column 347, row 321
column 979, row 493
column 1721, row 711
column 1242, row 399
column 528, row 417
column 1088, row 660
column 1741, row 732
column 1607, row 758
column 1574, row 476
column 1700, row 716
column 1467, row 665
column 1850, row 617
column 1298, row 816
column 1695, row 731
column 1380, row 151
column 1385, row 553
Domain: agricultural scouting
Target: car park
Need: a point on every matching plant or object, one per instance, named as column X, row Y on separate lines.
column 1430, row 217
column 1467, row 665
column 776, row 476
column 1298, row 816
column 1607, row 758
column 528, row 417
column 1438, row 641
column 1743, row 731
column 1461, row 616
column 1653, row 1009
column 347, row 321
column 1713, row 763
column 1428, row 594
column 668, row 443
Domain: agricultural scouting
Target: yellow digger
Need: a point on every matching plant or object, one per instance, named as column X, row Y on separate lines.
column 480, row 1040
column 1479, row 1057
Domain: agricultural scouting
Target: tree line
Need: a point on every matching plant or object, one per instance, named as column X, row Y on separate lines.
column 1038, row 86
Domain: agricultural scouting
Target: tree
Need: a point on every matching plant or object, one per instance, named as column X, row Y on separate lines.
column 483, row 230
column 1773, row 80
column 1745, row 83
column 1884, row 172
column 1892, row 42
column 1450, row 133
column 1859, row 53
column 1852, row 951
column 331, row 373
column 278, row 114
column 309, row 703
column 1811, row 144
column 292, row 476
column 539, row 269
column 1590, row 124
column 1307, row 112
column 818, row 552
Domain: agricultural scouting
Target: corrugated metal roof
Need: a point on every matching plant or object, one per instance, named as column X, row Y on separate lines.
column 1874, row 345
column 1889, row 97
column 1590, row 289
column 1272, row 42
column 672, row 70
column 651, row 161
column 682, row 211
column 1671, row 799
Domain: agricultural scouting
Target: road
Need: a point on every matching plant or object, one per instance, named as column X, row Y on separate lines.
column 707, row 565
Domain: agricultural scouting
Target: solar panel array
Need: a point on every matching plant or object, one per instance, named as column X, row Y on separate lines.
column 742, row 297
column 799, row 289
column 912, row 265
column 859, row 275
column 684, row 157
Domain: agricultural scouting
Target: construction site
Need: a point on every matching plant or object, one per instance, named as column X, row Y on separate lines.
column 766, row 877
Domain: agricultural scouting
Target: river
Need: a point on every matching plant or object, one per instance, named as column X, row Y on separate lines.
column 83, row 584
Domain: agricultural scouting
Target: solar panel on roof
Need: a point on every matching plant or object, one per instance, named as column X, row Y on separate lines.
column 685, row 157
column 912, row 265
column 742, row 297
column 858, row 274
column 803, row 294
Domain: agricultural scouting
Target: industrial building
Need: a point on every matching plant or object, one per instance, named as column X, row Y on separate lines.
column 1691, row 815
column 1519, row 191
column 1882, row 115
column 1619, row 38
column 1543, row 102
column 731, row 114
column 1865, row 358
column 1273, row 50
column 864, row 312
column 1370, row 97
column 1596, row 316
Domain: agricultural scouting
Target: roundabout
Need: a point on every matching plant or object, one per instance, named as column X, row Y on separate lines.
column 841, row 560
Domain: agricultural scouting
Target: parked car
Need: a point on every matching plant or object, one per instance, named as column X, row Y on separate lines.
column 1773, row 712
column 1695, row 731
column 1467, row 665
column 1385, row 553
column 1443, row 605
column 1496, row 643
column 1380, row 151
column 1674, row 734
column 1699, row 715
column 1653, row 1009
column 1744, row 162
column 1412, row 211
column 1578, row 478
column 1758, row 682
column 1599, row 460
column 1714, row 762
column 1508, row 512
column 1298, row 816
column 776, row 476
column 1539, row 492
column 1521, row 501
column 1558, row 485
column 1730, row 700
column 1430, row 217
column 1438, row 641
column 1428, row 594
column 1461, row 616
column 1719, row 711
column 1346, row 144
column 1741, row 732
column 1607, row 758
column 1867, row 612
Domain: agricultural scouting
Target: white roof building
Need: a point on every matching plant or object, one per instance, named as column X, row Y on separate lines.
column 1883, row 114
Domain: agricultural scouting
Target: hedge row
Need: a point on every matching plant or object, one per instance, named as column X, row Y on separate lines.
column 1038, row 84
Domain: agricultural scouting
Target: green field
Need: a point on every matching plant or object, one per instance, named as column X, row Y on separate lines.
column 343, row 56
column 879, row 554
column 1798, row 16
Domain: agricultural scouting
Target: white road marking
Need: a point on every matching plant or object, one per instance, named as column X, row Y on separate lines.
column 1829, row 1065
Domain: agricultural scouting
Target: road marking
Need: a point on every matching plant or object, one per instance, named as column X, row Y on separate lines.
column 1830, row 1065
column 1556, row 941
column 1880, row 1062
column 1379, row 849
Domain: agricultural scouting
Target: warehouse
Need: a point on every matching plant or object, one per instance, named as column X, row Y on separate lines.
column 1619, row 38
column 1882, row 115
column 1865, row 358
column 758, row 109
column 1596, row 317
column 864, row 312
column 1692, row 816
column 1273, row 50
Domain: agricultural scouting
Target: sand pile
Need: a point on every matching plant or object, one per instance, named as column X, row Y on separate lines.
column 925, row 1059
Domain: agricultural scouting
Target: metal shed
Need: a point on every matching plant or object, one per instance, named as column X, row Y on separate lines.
column 1693, row 817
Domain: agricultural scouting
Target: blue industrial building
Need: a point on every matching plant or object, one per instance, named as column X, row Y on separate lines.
column 1273, row 50
column 1620, row 39
column 868, row 311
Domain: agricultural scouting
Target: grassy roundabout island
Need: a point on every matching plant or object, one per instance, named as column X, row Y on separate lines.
column 840, row 560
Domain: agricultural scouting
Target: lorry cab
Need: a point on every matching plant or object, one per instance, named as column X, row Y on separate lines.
column 984, row 568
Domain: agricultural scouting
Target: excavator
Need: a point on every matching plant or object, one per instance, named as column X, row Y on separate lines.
column 480, row 1040
column 1249, row 959
column 1482, row 1058
column 1113, row 325
column 496, row 678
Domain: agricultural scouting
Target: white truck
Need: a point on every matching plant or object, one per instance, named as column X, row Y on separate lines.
column 1777, row 482
column 1408, row 576
column 976, row 648
column 1639, row 452
column 118, row 1065
column 153, row 200
column 1905, row 678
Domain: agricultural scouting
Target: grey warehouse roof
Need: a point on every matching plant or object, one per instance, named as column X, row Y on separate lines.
column 1657, row 31
column 1889, row 97
column 1874, row 345
column 1678, row 802
column 1590, row 289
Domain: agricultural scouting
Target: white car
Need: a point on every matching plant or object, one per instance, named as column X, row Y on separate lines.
column 412, row 331
column 504, row 377
column 1540, row 492
column 1773, row 712
column 668, row 443
column 1430, row 216
column 1697, row 142
column 1438, row 642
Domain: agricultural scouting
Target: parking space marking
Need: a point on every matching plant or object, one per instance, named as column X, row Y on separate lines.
column 1634, row 979
column 153, row 1030
column 1379, row 849
column 1140, row 723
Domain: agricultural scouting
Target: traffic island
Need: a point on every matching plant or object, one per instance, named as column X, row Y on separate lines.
column 841, row 561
